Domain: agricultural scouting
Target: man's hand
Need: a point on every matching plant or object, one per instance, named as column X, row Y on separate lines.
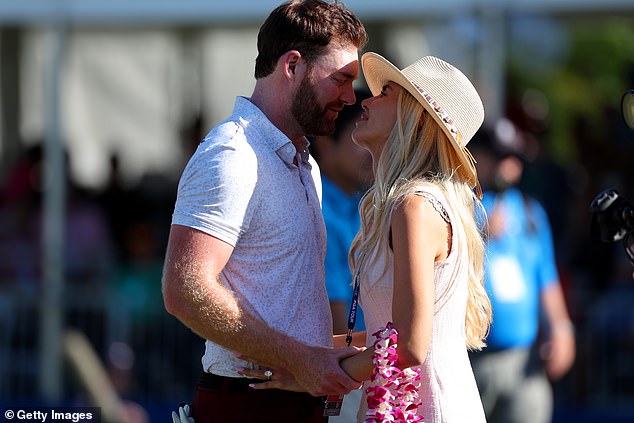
column 321, row 374
column 316, row 371
column 272, row 378
column 559, row 352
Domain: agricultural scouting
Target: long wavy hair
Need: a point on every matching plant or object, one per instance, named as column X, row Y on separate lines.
column 417, row 153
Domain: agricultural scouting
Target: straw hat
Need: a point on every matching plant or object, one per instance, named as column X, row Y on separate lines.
column 444, row 91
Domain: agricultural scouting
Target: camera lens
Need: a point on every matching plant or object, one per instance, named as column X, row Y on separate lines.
column 627, row 108
column 629, row 246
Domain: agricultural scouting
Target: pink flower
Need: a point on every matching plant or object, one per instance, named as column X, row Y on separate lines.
column 393, row 393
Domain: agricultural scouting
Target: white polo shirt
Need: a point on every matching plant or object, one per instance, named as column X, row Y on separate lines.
column 242, row 187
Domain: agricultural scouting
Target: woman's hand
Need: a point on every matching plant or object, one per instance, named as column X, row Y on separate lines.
column 359, row 367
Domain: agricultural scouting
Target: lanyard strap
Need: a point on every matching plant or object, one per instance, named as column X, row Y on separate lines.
column 352, row 315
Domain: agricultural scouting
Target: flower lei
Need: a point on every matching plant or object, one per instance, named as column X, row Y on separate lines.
column 393, row 393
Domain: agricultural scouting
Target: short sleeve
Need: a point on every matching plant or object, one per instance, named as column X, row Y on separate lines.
column 216, row 190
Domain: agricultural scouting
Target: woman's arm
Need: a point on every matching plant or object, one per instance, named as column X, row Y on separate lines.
column 419, row 239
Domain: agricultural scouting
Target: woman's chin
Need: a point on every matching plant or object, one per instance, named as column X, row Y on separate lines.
column 358, row 137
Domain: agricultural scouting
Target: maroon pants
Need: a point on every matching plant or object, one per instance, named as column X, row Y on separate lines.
column 223, row 399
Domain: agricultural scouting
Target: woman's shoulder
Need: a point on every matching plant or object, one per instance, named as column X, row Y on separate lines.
column 422, row 187
column 421, row 203
column 426, row 192
column 423, row 222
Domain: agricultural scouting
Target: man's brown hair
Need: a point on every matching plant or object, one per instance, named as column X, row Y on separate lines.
column 308, row 26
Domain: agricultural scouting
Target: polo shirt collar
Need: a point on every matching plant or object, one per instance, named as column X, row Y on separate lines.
column 271, row 135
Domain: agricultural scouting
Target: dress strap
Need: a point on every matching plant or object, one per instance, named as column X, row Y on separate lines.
column 436, row 204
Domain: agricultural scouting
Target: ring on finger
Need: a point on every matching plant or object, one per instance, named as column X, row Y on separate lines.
column 268, row 374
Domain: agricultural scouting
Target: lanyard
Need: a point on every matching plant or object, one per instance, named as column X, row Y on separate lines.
column 334, row 402
column 352, row 315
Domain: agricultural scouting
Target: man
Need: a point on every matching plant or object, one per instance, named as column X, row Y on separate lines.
column 244, row 262
column 522, row 281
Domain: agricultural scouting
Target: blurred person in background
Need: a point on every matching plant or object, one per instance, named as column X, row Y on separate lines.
column 244, row 266
column 346, row 171
column 531, row 341
column 20, row 227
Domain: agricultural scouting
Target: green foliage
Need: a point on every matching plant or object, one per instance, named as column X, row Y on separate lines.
column 586, row 82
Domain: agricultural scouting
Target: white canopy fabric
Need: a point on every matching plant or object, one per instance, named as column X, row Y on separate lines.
column 120, row 92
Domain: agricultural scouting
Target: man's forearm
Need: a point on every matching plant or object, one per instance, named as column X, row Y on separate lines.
column 194, row 295
column 214, row 314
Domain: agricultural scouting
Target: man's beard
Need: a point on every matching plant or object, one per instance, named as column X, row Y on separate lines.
column 308, row 112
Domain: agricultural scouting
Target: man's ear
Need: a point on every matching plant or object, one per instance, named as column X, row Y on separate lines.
column 293, row 64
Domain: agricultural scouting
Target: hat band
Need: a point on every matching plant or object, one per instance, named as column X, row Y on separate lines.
column 442, row 115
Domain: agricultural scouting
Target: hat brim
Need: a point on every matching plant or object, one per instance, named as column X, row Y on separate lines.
column 378, row 71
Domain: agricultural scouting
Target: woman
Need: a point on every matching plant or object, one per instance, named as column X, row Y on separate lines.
column 419, row 252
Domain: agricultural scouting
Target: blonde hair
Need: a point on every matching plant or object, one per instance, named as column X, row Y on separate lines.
column 416, row 153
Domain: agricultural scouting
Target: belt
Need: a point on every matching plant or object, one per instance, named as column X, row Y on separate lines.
column 212, row 381
column 241, row 384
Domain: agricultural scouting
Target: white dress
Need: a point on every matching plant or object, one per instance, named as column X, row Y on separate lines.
column 448, row 391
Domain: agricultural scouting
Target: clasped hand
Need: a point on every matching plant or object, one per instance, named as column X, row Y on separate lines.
column 318, row 373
